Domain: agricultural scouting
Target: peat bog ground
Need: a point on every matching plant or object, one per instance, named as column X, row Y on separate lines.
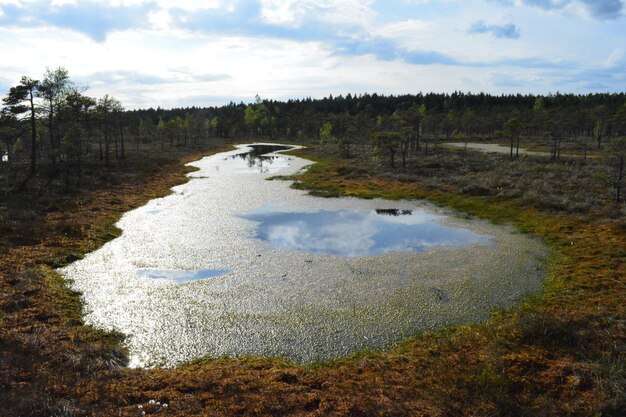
column 561, row 353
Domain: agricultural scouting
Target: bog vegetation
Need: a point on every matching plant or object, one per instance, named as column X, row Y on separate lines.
column 72, row 164
column 51, row 123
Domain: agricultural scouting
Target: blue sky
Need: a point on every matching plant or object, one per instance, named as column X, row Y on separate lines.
column 172, row 53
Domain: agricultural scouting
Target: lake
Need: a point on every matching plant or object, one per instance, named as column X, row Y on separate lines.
column 233, row 264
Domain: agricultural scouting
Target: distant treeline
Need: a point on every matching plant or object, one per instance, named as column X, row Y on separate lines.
column 478, row 114
column 52, row 123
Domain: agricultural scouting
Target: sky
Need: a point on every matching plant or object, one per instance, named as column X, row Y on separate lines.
column 180, row 53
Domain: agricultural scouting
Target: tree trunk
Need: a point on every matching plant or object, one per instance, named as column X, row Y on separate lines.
column 115, row 135
column 107, row 161
column 80, row 171
column 33, row 128
column 618, row 182
column 53, row 144
column 417, row 137
column 122, row 140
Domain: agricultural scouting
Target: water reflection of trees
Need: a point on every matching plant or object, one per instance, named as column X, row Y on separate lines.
column 257, row 156
column 394, row 212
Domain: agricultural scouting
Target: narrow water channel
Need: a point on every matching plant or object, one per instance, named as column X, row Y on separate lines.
column 233, row 264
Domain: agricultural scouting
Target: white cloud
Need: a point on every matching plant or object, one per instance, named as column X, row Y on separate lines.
column 160, row 19
column 62, row 2
column 165, row 4
column 615, row 58
column 281, row 12
column 409, row 32
column 292, row 12
column 597, row 9
column 192, row 4
column 310, row 48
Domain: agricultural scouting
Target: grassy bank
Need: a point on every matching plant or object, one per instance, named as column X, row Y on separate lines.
column 45, row 349
column 559, row 354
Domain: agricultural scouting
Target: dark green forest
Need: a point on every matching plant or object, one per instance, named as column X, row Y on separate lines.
column 52, row 127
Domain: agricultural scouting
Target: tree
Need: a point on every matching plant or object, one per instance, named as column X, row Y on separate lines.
column 118, row 127
column 104, row 106
column 398, row 125
column 326, row 133
column 468, row 119
column 78, row 112
column 109, row 109
column 197, row 126
column 9, row 134
column 389, row 141
column 251, row 120
column 618, row 151
column 172, row 129
column 216, row 126
column 161, row 132
column 348, row 137
column 582, row 123
column 538, row 116
column 414, row 118
column 52, row 90
column 72, row 142
column 513, row 130
column 144, row 131
column 258, row 118
column 600, row 115
column 26, row 91
column 618, row 120
column 449, row 123
column 557, row 137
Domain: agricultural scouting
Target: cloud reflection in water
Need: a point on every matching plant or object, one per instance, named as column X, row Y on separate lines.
column 181, row 276
column 358, row 233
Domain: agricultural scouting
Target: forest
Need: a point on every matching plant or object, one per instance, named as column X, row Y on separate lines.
column 51, row 126
column 71, row 165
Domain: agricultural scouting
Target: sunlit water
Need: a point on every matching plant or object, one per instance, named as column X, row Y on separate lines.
column 493, row 148
column 233, row 264
column 358, row 233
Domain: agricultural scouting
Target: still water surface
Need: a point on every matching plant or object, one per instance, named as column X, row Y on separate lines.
column 358, row 233
column 233, row 264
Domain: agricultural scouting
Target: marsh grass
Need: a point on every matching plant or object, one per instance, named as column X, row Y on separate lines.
column 561, row 353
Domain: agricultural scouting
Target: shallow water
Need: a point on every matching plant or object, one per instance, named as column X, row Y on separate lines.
column 232, row 264
column 182, row 276
column 493, row 148
column 358, row 233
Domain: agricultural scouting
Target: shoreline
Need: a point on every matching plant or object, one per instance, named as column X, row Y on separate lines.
column 485, row 368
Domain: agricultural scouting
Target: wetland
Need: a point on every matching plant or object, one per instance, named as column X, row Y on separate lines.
column 232, row 264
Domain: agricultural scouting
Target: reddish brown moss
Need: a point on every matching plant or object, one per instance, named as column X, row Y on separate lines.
column 560, row 354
